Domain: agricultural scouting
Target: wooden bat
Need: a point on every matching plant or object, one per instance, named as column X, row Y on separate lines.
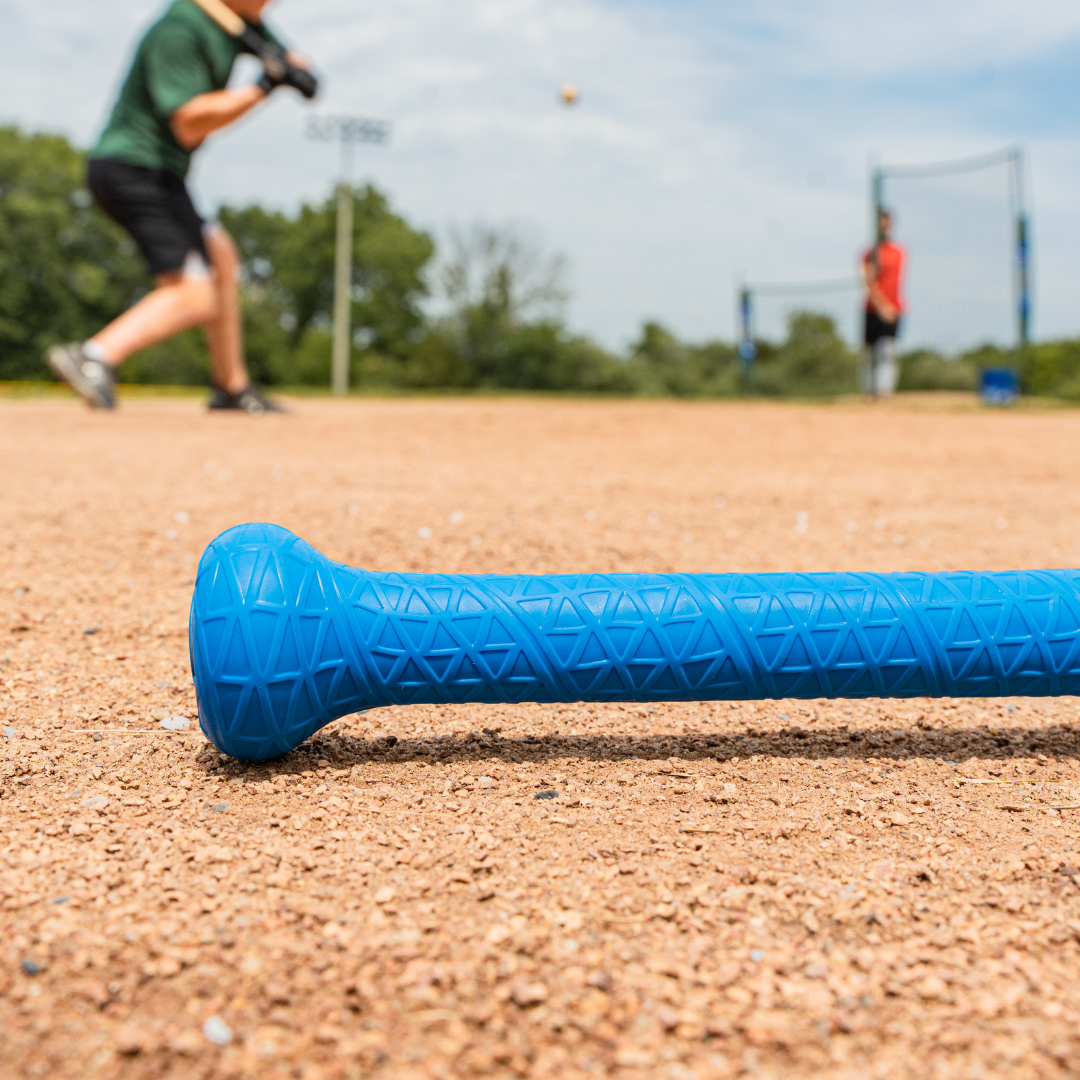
column 273, row 57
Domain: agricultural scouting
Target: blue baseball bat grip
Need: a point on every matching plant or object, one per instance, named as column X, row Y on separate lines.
column 284, row 641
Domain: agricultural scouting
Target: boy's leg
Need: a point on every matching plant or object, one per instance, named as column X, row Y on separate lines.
column 232, row 386
column 155, row 208
column 183, row 299
column 886, row 371
column 196, row 269
column 866, row 371
column 225, row 331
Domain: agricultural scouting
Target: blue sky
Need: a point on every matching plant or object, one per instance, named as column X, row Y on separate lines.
column 713, row 141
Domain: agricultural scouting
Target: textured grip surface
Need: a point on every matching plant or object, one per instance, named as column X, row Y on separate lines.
column 283, row 641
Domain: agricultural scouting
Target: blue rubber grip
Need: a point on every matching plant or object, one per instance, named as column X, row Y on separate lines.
column 284, row 641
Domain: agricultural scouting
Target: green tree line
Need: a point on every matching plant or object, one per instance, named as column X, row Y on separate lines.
column 66, row 270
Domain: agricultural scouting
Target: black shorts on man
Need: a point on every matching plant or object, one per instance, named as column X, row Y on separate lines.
column 154, row 206
column 875, row 328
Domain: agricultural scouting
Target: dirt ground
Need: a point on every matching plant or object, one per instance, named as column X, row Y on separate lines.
column 870, row 889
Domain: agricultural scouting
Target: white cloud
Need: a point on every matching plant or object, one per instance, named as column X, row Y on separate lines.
column 874, row 40
column 711, row 140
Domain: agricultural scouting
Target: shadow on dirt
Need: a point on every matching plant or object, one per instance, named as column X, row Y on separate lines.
column 338, row 750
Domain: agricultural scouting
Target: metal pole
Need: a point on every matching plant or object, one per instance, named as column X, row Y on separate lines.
column 1023, row 253
column 877, row 197
column 747, row 349
column 343, row 266
column 1022, row 258
column 348, row 130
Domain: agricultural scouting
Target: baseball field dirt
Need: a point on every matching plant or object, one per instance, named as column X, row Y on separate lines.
column 843, row 889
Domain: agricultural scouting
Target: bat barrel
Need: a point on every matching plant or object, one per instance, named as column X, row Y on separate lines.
column 284, row 641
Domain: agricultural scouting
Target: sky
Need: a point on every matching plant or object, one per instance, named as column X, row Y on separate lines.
column 713, row 142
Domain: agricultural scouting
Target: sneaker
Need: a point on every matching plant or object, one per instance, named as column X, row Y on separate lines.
column 250, row 400
column 92, row 380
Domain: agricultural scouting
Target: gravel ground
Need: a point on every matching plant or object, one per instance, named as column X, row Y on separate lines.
column 782, row 889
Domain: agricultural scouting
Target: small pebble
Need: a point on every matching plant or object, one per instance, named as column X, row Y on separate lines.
column 130, row 1040
column 546, row 795
column 217, row 1031
column 31, row 968
column 9, row 732
column 220, row 808
column 176, row 723
column 525, row 994
column 757, row 955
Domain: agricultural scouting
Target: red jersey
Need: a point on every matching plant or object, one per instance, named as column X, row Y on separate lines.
column 888, row 260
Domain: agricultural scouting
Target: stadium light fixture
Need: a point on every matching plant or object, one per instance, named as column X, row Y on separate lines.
column 348, row 131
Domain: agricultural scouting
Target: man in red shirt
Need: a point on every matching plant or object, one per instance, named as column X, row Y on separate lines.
column 883, row 270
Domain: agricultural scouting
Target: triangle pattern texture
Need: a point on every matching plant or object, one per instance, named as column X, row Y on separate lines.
column 283, row 641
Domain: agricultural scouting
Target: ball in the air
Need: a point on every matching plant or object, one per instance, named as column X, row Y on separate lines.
column 569, row 94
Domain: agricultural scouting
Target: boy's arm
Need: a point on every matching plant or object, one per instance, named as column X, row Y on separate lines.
column 207, row 113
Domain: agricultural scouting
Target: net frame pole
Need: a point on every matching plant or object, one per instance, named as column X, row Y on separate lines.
column 877, row 202
column 1022, row 275
column 747, row 348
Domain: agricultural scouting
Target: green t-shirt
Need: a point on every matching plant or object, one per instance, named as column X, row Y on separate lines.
column 183, row 55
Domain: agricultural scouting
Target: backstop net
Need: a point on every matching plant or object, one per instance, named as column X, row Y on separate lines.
column 966, row 233
column 765, row 308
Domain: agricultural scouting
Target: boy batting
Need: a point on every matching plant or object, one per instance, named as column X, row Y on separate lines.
column 174, row 97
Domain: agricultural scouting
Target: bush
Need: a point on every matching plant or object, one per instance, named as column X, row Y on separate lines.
column 180, row 361
column 1051, row 369
column 925, row 370
column 660, row 365
column 814, row 361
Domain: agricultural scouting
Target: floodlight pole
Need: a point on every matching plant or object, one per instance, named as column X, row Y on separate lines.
column 343, row 267
column 348, row 130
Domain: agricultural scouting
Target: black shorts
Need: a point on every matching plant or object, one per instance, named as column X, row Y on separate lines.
column 154, row 206
column 875, row 328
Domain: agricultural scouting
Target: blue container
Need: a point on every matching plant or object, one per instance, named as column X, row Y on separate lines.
column 999, row 385
column 284, row 641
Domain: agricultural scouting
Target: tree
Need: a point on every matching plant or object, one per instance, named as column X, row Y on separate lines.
column 496, row 280
column 814, row 361
column 65, row 269
column 662, row 365
column 288, row 267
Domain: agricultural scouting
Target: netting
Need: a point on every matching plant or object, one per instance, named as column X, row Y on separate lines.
column 963, row 226
column 767, row 308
